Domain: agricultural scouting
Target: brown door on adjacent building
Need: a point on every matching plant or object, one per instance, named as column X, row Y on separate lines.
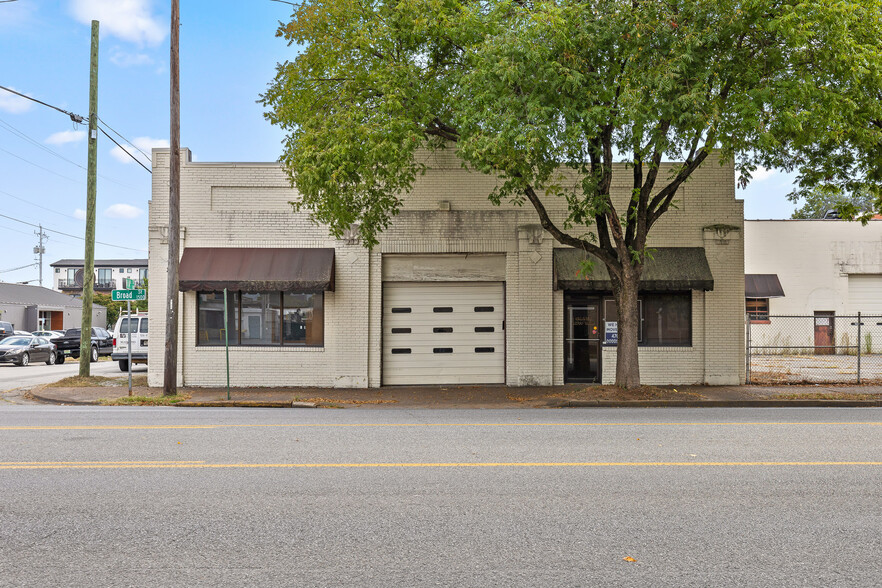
column 825, row 337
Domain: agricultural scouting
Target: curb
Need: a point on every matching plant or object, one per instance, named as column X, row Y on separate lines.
column 244, row 404
column 772, row 403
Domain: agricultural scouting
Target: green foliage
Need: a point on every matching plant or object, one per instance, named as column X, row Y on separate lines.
column 820, row 200
column 545, row 94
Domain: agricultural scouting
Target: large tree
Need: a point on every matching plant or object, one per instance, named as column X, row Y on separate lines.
column 532, row 92
column 821, row 201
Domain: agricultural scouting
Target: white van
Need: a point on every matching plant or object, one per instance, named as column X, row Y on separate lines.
column 138, row 323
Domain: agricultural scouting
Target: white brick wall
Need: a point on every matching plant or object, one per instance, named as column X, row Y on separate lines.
column 245, row 205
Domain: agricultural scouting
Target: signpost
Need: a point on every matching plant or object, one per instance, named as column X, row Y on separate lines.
column 128, row 296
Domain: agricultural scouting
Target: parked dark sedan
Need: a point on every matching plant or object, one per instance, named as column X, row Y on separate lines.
column 24, row 350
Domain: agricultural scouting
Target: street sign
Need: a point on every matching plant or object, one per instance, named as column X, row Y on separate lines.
column 128, row 295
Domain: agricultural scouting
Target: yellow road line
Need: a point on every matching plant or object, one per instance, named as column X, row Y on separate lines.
column 110, row 463
column 419, row 425
column 585, row 464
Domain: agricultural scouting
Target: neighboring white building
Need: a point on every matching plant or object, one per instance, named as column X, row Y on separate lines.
column 35, row 308
column 458, row 290
column 814, row 268
column 110, row 274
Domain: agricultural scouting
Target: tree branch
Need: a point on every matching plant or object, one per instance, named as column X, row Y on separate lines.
column 564, row 238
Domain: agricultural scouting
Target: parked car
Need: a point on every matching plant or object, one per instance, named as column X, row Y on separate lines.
column 69, row 345
column 48, row 334
column 6, row 329
column 23, row 350
column 138, row 325
column 23, row 333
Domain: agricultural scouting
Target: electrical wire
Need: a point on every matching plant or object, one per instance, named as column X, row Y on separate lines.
column 18, row 220
column 38, row 206
column 20, row 134
column 125, row 151
column 117, row 133
column 80, row 119
column 38, row 165
column 74, row 117
column 18, row 268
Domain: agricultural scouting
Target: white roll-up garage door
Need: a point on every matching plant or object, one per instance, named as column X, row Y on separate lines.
column 443, row 333
column 865, row 294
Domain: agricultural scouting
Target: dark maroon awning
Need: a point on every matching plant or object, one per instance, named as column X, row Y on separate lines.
column 208, row 269
column 762, row 286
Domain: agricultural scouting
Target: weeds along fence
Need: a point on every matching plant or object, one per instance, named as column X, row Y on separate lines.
column 819, row 348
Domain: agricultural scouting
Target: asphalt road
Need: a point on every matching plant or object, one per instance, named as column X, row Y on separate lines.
column 13, row 377
column 109, row 496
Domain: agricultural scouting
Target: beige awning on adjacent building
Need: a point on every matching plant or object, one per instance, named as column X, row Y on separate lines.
column 256, row 269
column 671, row 268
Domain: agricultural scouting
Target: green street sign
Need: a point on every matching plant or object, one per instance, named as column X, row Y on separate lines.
column 128, row 295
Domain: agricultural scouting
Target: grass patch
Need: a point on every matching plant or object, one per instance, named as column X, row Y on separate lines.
column 143, row 400
column 828, row 396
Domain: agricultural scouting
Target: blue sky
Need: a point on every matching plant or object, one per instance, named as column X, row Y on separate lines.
column 228, row 55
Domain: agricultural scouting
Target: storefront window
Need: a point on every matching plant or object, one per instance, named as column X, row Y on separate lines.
column 303, row 321
column 665, row 318
column 210, row 321
column 262, row 318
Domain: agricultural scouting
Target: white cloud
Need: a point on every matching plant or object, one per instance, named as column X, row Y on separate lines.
column 9, row 102
column 129, row 20
column 145, row 144
column 125, row 59
column 80, row 214
column 63, row 137
column 123, row 211
column 761, row 174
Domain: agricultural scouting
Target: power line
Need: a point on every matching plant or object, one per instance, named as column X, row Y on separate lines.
column 22, row 135
column 80, row 119
column 74, row 117
column 124, row 139
column 18, row 268
column 38, row 206
column 125, row 150
column 68, row 234
column 38, row 165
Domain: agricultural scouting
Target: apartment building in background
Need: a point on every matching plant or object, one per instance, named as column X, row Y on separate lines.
column 110, row 274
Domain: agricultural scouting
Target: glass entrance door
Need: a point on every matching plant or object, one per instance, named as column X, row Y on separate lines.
column 582, row 342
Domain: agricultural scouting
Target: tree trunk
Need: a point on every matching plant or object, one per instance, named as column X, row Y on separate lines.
column 625, row 291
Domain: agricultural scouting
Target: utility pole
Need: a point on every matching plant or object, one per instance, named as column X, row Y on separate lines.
column 40, row 250
column 170, row 380
column 91, row 192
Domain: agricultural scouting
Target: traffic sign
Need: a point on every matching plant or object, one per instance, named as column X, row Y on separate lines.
column 128, row 295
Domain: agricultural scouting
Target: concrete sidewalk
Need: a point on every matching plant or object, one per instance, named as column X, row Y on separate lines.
column 580, row 395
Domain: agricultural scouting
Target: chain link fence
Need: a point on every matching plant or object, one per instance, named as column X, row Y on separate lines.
column 819, row 348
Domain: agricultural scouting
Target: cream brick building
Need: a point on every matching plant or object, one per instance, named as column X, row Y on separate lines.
column 457, row 291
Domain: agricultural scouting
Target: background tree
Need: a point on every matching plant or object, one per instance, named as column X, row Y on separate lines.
column 548, row 95
column 818, row 201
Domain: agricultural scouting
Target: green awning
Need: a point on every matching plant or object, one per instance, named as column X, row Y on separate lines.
column 671, row 268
